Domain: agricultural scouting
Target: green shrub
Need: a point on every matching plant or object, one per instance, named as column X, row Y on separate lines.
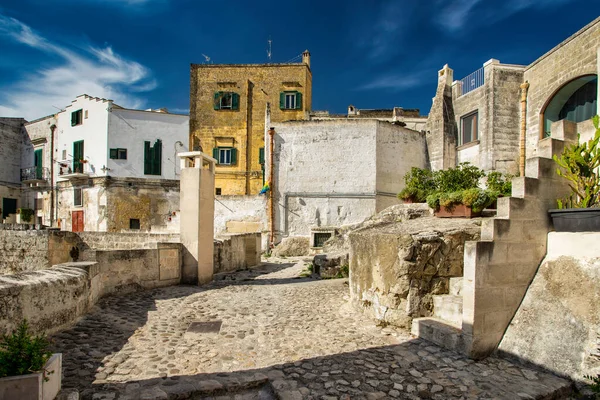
column 500, row 183
column 595, row 385
column 419, row 184
column 22, row 353
column 464, row 176
column 26, row 214
column 579, row 164
column 475, row 198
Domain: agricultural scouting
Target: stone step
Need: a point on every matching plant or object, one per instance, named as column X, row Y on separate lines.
column 448, row 308
column 540, row 168
column 510, row 207
column 456, row 285
column 439, row 332
column 549, row 147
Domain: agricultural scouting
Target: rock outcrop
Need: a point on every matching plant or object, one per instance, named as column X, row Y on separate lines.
column 403, row 256
column 293, row 246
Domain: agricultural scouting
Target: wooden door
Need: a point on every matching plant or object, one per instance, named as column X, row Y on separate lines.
column 77, row 221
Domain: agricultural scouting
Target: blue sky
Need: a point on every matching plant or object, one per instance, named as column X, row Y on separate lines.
column 373, row 53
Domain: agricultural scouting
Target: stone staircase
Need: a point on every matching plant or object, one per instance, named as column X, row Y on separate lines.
column 498, row 268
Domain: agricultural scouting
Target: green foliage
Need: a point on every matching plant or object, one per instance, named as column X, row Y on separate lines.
column 595, row 385
column 464, row 176
column 26, row 214
column 499, row 182
column 344, row 271
column 22, row 353
column 579, row 164
column 477, row 199
column 419, row 184
column 310, row 268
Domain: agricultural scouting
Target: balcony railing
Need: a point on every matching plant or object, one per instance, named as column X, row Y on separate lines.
column 471, row 81
column 35, row 174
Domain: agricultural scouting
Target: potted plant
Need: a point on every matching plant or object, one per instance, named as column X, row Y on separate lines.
column 28, row 370
column 499, row 183
column 24, row 215
column 579, row 164
column 419, row 184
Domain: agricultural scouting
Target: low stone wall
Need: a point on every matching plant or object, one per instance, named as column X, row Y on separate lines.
column 54, row 298
column 125, row 241
column 557, row 325
column 233, row 252
column 26, row 250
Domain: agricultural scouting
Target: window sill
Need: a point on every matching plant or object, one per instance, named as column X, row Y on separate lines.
column 467, row 145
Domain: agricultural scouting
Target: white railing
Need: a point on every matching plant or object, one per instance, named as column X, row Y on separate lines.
column 471, row 82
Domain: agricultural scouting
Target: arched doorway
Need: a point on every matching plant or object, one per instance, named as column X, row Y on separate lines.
column 575, row 101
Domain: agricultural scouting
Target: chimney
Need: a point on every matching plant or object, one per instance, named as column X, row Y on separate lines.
column 306, row 58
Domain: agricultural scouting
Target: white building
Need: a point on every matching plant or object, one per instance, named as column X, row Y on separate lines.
column 116, row 167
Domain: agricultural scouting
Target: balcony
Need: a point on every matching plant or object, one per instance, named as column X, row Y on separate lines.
column 35, row 176
column 471, row 82
column 71, row 172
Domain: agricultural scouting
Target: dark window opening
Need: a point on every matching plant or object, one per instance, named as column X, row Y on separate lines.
column 134, row 223
column 77, row 197
column 218, row 191
column 321, row 238
column 118, row 154
column 153, row 158
column 76, row 117
column 469, row 129
column 226, row 101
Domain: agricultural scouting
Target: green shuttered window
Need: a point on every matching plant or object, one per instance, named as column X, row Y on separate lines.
column 153, row 158
column 226, row 101
column 291, row 100
column 225, row 155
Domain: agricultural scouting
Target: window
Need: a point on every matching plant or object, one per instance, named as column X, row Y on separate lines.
column 321, row 238
column 76, row 117
column 261, row 155
column 78, row 157
column 38, row 162
column 86, row 114
column 225, row 155
column 77, row 197
column 218, row 191
column 134, row 223
column 290, row 100
column 153, row 158
column 64, row 154
column 118, row 154
column 469, row 127
column 38, row 204
column 226, row 101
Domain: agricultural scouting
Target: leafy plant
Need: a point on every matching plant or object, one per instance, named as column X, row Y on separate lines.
column 419, row 184
column 464, row 176
column 500, row 183
column 595, row 385
column 476, row 198
column 26, row 214
column 579, row 164
column 22, row 353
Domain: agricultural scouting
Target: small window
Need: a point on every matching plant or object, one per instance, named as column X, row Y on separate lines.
column 226, row 101
column 76, row 117
column 321, row 238
column 134, row 223
column 225, row 155
column 86, row 114
column 64, row 154
column 118, row 154
column 290, row 100
column 77, row 197
column 469, row 127
column 38, row 204
column 218, row 191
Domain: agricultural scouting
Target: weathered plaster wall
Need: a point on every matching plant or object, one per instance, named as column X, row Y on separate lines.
column 557, row 325
column 110, row 203
column 12, row 137
column 574, row 57
column 129, row 129
column 243, row 129
column 240, row 214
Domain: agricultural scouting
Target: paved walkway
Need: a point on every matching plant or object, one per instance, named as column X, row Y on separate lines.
column 279, row 337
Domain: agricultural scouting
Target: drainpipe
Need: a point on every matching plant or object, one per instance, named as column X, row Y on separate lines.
column 524, row 87
column 272, row 189
column 52, row 129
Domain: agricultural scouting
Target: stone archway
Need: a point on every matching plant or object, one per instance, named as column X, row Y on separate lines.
column 575, row 101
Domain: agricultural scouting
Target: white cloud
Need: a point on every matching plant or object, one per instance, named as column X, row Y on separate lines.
column 454, row 15
column 386, row 34
column 92, row 70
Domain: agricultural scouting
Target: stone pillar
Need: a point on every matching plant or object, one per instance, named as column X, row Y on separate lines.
column 441, row 132
column 197, row 205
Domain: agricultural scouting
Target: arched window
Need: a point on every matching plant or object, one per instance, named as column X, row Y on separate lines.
column 576, row 101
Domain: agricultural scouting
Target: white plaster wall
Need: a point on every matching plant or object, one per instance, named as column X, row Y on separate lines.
column 94, row 207
column 469, row 154
column 239, row 208
column 130, row 128
column 398, row 150
column 93, row 131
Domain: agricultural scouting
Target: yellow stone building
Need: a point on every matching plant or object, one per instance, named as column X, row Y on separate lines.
column 228, row 106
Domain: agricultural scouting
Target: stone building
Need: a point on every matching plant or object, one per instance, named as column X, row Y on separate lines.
column 117, row 167
column 13, row 138
column 228, row 110
column 409, row 118
column 480, row 119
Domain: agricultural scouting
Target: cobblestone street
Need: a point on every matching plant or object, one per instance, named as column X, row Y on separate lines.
column 280, row 337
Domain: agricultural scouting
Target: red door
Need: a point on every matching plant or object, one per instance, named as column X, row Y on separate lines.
column 77, row 221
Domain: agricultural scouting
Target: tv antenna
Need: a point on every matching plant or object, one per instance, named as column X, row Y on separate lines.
column 269, row 49
column 206, row 58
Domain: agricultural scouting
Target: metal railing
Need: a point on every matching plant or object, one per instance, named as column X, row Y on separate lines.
column 472, row 81
column 35, row 174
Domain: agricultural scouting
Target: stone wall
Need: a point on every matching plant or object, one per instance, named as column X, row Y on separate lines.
column 557, row 325
column 401, row 258
column 240, row 214
column 574, row 57
column 33, row 250
column 12, row 139
column 125, row 240
column 239, row 251
column 54, row 298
